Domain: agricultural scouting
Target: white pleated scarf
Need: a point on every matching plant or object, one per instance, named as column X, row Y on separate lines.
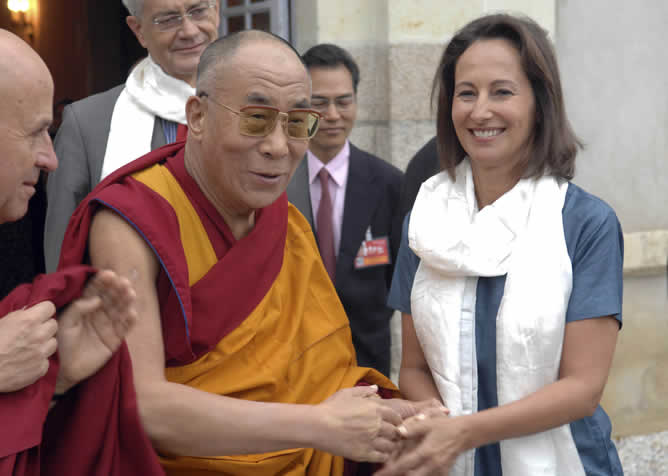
column 148, row 92
column 521, row 234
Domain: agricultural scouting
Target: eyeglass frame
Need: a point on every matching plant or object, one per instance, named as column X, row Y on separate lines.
column 335, row 102
column 188, row 14
column 280, row 114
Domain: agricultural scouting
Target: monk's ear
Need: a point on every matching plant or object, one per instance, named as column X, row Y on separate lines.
column 195, row 114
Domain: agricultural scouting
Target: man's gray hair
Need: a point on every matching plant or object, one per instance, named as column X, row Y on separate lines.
column 134, row 7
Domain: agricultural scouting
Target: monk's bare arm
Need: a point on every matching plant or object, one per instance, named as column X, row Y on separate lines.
column 186, row 421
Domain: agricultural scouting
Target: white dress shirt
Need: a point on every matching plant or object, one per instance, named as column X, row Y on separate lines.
column 338, row 172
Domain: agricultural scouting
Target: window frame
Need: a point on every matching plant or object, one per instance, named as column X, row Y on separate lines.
column 279, row 15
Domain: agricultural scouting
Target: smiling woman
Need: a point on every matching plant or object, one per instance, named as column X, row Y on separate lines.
column 493, row 107
column 509, row 277
column 527, row 70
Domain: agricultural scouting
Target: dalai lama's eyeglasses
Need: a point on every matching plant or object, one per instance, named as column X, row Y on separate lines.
column 260, row 121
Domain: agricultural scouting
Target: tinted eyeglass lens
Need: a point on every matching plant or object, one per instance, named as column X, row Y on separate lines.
column 259, row 122
column 302, row 124
column 314, row 122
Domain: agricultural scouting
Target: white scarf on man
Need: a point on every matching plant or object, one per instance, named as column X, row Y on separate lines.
column 521, row 234
column 149, row 92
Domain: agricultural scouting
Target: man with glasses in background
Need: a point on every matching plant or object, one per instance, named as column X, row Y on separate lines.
column 242, row 354
column 105, row 131
column 357, row 220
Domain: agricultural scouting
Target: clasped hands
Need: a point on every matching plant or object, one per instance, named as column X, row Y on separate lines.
column 430, row 443
column 363, row 427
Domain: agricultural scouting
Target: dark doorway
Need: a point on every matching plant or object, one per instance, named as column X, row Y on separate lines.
column 88, row 48
column 114, row 48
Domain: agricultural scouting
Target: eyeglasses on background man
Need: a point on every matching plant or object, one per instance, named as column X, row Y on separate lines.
column 198, row 13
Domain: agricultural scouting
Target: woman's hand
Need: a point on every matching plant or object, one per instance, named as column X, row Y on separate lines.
column 431, row 443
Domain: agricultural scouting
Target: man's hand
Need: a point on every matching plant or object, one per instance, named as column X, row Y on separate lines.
column 408, row 408
column 360, row 427
column 93, row 326
column 27, row 340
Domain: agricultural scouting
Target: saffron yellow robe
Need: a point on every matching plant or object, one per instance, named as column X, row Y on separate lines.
column 295, row 346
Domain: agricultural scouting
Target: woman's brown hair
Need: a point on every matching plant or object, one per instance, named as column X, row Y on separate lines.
column 553, row 144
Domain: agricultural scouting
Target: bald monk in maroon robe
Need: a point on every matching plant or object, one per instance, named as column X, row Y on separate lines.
column 67, row 402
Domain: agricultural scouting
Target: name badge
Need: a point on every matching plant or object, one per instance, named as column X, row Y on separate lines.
column 373, row 252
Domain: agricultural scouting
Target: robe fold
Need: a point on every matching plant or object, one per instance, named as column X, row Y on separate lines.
column 256, row 318
column 94, row 430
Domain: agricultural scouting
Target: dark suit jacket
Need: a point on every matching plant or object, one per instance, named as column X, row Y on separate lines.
column 422, row 166
column 372, row 200
column 80, row 146
column 21, row 255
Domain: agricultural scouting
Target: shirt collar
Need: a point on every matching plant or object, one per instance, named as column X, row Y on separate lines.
column 337, row 167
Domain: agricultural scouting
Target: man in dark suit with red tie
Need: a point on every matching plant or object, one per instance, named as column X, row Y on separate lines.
column 357, row 219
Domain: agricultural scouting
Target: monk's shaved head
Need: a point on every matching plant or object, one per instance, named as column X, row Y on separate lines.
column 18, row 64
column 238, row 170
column 222, row 51
column 26, row 110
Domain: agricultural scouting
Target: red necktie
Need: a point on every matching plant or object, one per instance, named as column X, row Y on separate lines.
column 325, row 228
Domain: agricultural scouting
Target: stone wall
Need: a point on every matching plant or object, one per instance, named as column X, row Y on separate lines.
column 614, row 65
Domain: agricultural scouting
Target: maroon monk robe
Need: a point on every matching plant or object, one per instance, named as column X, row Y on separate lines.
column 94, row 430
column 260, row 254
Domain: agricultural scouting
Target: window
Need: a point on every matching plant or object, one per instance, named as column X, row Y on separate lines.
column 267, row 15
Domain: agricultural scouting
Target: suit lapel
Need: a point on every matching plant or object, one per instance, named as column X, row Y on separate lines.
column 359, row 204
column 158, row 138
column 299, row 191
